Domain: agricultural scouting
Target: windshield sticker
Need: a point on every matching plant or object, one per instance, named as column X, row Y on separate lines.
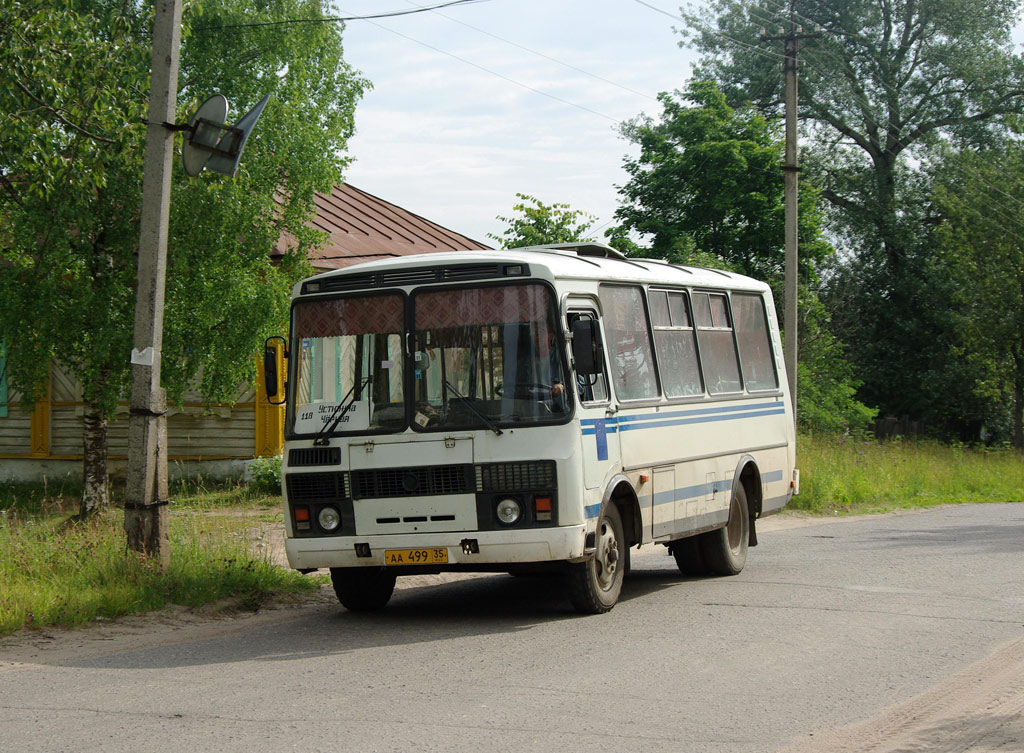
column 312, row 418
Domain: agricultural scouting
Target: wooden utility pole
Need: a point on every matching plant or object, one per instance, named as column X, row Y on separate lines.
column 146, row 498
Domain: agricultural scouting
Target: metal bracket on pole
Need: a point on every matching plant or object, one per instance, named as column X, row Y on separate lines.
column 211, row 144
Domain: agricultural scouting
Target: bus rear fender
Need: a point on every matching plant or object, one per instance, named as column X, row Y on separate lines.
column 748, row 474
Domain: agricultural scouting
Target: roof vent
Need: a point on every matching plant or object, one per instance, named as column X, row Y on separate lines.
column 598, row 250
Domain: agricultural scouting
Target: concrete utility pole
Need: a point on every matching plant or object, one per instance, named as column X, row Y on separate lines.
column 145, row 509
column 792, row 180
column 792, row 38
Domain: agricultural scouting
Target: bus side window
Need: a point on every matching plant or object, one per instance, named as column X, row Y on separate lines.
column 675, row 339
column 629, row 344
column 755, row 345
column 716, row 344
column 590, row 389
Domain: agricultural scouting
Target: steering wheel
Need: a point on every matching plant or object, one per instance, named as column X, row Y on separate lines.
column 533, row 390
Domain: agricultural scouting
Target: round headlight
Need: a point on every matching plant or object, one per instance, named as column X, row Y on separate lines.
column 508, row 511
column 329, row 518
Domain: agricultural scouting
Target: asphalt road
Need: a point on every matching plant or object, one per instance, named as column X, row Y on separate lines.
column 909, row 627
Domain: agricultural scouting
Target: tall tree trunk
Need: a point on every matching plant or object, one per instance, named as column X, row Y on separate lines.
column 95, row 475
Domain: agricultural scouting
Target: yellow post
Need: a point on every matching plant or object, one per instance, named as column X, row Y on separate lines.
column 269, row 417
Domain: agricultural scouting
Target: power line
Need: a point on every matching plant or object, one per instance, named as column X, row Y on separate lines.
column 338, row 19
column 546, row 57
column 495, row 73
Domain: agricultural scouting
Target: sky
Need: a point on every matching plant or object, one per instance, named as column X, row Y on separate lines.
column 477, row 102
column 474, row 103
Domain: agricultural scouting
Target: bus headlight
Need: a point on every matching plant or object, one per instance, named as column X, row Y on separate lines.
column 508, row 511
column 329, row 519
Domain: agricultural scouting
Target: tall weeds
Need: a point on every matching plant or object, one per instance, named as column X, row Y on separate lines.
column 845, row 475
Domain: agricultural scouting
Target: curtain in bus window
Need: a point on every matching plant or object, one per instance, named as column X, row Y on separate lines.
column 349, row 316
column 755, row 346
column 632, row 354
column 716, row 343
column 677, row 347
column 468, row 309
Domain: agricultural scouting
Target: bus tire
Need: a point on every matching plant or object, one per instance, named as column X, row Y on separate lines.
column 725, row 550
column 689, row 558
column 363, row 589
column 595, row 585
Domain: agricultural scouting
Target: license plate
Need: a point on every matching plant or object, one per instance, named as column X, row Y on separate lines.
column 429, row 556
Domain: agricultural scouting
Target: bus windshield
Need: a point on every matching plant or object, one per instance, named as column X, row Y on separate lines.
column 349, row 352
column 488, row 352
column 480, row 358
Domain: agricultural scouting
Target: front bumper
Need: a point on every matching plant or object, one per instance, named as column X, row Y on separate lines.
column 564, row 543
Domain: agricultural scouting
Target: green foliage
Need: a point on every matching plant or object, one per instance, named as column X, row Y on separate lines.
column 73, row 81
column 826, row 381
column 981, row 245
column 880, row 86
column 266, row 474
column 707, row 185
column 853, row 475
column 538, row 223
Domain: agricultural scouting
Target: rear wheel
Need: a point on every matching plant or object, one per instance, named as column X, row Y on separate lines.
column 595, row 585
column 689, row 558
column 363, row 589
column 725, row 550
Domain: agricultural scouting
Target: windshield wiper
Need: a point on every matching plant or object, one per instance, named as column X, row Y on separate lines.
column 469, row 404
column 323, row 437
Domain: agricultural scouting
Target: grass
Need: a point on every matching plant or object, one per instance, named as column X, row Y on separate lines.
column 53, row 572
column 841, row 475
column 56, row 573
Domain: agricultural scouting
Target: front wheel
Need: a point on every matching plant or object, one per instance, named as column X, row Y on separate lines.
column 595, row 585
column 725, row 550
column 363, row 589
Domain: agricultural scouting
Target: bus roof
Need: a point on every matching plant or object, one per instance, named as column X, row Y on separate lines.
column 585, row 261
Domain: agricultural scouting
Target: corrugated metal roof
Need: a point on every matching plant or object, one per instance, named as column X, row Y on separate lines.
column 363, row 227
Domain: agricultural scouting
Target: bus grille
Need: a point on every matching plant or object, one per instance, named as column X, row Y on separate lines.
column 311, row 487
column 314, row 456
column 513, row 477
column 412, row 482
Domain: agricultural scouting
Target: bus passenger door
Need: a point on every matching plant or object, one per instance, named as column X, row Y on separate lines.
column 598, row 423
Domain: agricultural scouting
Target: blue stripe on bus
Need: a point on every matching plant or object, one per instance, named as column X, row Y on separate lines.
column 679, row 418
column 671, row 496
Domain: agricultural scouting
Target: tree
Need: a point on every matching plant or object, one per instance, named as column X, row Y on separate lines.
column 72, row 105
column 542, row 223
column 708, row 188
column 979, row 195
column 880, row 84
column 708, row 182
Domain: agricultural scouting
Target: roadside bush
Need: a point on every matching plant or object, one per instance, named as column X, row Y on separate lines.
column 265, row 475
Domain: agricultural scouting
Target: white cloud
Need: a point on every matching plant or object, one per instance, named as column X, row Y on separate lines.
column 454, row 143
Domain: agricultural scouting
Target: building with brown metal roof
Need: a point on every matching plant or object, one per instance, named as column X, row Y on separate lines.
column 362, row 227
column 217, row 439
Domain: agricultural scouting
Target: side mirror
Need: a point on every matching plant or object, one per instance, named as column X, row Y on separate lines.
column 272, row 377
column 587, row 347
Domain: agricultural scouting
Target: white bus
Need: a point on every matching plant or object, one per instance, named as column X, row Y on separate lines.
column 538, row 409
